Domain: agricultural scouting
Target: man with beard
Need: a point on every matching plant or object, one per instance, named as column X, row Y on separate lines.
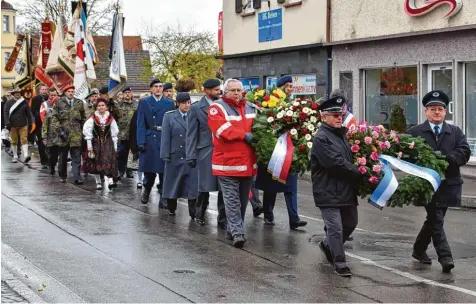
column 36, row 103
column 126, row 108
column 199, row 149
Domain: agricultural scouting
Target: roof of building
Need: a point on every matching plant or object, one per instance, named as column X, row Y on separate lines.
column 7, row 6
column 131, row 43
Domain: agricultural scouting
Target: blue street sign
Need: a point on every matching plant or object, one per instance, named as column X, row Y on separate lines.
column 270, row 25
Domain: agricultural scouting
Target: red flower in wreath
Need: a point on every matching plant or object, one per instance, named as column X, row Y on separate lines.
column 266, row 98
column 315, row 106
column 302, row 115
column 302, row 148
column 304, row 131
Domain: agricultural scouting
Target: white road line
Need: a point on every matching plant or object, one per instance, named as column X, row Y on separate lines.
column 373, row 263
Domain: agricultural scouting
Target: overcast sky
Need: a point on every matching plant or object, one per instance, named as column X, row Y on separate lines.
column 200, row 14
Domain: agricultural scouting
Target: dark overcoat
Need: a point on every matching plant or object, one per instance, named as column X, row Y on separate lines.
column 199, row 145
column 150, row 115
column 180, row 181
column 452, row 143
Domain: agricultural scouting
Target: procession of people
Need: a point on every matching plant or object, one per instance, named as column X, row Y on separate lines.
column 207, row 147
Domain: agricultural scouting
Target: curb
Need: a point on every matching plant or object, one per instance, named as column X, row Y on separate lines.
column 467, row 201
column 19, row 287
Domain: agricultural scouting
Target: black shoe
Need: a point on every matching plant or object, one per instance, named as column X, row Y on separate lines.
column 27, row 159
column 112, row 186
column 145, row 196
column 422, row 258
column 52, row 173
column 163, row 203
column 327, row 252
column 238, row 241
column 298, row 224
column 63, row 180
column 229, row 236
column 221, row 225
column 192, row 217
column 121, row 174
column 139, row 185
column 201, row 222
column 343, row 272
column 447, row 266
column 78, row 182
column 268, row 222
column 350, row 238
column 171, row 213
column 258, row 211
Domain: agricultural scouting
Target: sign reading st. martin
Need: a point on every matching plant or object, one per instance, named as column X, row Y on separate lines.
column 412, row 10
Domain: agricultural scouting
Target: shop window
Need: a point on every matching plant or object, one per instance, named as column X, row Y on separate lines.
column 471, row 106
column 345, row 83
column 6, row 24
column 389, row 86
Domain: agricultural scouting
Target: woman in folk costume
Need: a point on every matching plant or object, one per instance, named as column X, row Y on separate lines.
column 100, row 132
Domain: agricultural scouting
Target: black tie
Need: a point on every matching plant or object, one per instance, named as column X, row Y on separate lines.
column 185, row 117
column 437, row 130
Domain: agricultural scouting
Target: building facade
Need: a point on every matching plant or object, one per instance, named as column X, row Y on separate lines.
column 9, row 38
column 264, row 40
column 397, row 52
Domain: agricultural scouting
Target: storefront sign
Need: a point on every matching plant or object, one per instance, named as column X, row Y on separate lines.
column 304, row 84
column 412, row 10
column 270, row 25
column 249, row 83
column 271, row 82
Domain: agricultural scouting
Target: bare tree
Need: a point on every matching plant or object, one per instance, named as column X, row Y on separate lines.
column 99, row 13
column 177, row 53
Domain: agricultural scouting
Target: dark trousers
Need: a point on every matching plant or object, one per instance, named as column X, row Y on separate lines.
column 41, row 146
column 172, row 206
column 75, row 161
column 53, row 154
column 433, row 230
column 339, row 225
column 202, row 205
column 269, row 200
column 149, row 181
column 122, row 156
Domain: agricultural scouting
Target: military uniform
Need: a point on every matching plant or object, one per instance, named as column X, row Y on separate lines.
column 50, row 138
column 180, row 181
column 67, row 121
column 126, row 112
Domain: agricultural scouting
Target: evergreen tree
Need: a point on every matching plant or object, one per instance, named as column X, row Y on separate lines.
column 398, row 121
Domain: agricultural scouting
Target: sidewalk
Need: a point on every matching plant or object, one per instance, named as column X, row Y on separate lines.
column 15, row 291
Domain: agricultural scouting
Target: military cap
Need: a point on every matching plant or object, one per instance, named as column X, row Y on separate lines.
column 15, row 90
column 211, row 83
column 154, row 81
column 435, row 98
column 104, row 90
column 333, row 104
column 183, row 97
column 93, row 92
column 68, row 87
column 126, row 89
column 167, row 86
column 283, row 80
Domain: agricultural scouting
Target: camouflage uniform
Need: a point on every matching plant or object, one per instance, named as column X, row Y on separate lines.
column 50, row 137
column 67, row 122
column 88, row 109
column 125, row 110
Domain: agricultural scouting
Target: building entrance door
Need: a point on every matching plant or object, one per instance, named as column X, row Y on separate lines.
column 440, row 77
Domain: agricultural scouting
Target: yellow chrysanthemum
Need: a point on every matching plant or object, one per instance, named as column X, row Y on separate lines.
column 280, row 93
column 260, row 93
column 264, row 104
column 273, row 99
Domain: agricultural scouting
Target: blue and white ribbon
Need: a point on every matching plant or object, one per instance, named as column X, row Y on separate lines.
column 389, row 184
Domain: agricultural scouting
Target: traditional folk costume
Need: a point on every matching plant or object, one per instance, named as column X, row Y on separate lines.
column 100, row 132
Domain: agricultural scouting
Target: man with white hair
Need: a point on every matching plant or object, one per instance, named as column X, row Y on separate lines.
column 233, row 160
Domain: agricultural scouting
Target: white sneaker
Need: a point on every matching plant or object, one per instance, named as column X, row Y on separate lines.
column 98, row 187
column 15, row 160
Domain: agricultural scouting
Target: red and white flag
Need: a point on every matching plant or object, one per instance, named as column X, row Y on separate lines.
column 280, row 163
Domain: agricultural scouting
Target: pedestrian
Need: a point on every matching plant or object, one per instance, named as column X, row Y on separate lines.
column 101, row 134
column 134, row 148
column 150, row 115
column 18, row 120
column 50, row 138
column 67, row 120
column 36, row 103
column 451, row 142
column 90, row 102
column 199, row 150
column 271, row 187
column 111, row 103
column 180, row 181
column 334, row 181
column 168, row 90
column 126, row 108
column 234, row 160
column 6, row 133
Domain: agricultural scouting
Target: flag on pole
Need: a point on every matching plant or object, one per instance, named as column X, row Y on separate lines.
column 54, row 69
column 47, row 30
column 117, row 69
column 84, row 68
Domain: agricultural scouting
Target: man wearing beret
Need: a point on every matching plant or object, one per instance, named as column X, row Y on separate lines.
column 90, row 102
column 150, row 115
column 180, row 181
column 451, row 142
column 168, row 90
column 334, row 181
column 67, row 121
column 126, row 108
column 285, row 83
column 199, row 149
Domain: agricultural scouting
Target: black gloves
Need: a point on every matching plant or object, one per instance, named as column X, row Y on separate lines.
column 192, row 163
column 248, row 137
column 142, row 148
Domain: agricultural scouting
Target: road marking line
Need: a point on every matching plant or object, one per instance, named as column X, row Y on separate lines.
column 373, row 263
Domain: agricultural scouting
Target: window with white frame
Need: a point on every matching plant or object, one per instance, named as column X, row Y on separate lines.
column 248, row 6
column 6, row 24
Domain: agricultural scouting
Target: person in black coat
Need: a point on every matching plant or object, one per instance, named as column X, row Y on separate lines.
column 451, row 142
column 35, row 111
column 334, row 180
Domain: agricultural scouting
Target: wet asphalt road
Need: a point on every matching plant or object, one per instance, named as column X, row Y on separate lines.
column 95, row 246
